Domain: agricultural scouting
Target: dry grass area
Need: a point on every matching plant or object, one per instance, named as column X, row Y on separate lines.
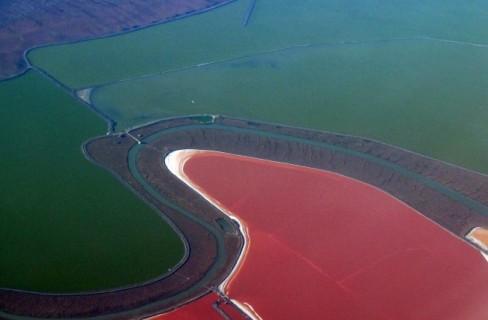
column 26, row 24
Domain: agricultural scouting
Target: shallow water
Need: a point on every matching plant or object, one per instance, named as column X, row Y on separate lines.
column 219, row 34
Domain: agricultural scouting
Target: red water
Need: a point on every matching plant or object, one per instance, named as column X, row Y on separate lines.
column 201, row 309
column 323, row 246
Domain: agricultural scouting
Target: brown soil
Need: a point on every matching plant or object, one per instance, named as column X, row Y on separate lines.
column 380, row 165
column 31, row 23
column 479, row 236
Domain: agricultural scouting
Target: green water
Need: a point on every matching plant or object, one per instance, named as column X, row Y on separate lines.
column 422, row 95
column 66, row 225
column 219, row 34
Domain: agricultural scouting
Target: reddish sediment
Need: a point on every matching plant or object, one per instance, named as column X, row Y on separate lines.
column 196, row 310
column 209, row 307
column 325, row 246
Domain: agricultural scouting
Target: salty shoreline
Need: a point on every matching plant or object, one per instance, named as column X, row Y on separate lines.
column 175, row 162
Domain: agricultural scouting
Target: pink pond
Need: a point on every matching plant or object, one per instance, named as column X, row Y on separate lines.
column 324, row 246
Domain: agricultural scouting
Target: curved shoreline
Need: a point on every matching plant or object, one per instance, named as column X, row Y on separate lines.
column 412, row 178
column 175, row 162
column 206, row 171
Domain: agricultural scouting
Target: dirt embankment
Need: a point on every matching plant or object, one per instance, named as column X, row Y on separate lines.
column 452, row 196
column 31, row 23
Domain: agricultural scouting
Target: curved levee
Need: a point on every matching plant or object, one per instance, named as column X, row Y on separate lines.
column 446, row 194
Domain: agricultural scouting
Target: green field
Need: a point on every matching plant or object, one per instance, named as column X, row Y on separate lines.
column 66, row 225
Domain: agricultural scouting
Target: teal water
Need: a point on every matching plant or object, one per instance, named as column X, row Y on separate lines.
column 66, row 225
column 219, row 34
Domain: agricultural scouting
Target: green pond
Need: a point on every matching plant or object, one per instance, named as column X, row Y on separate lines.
column 417, row 94
column 65, row 224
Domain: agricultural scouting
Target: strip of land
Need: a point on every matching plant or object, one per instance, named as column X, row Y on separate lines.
column 27, row 24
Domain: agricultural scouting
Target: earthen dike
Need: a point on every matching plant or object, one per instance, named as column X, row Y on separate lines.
column 453, row 197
